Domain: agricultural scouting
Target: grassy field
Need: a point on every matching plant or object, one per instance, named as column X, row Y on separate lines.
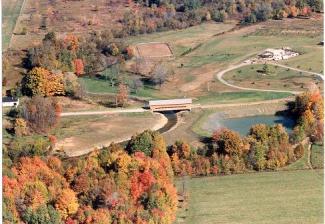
column 317, row 156
column 278, row 78
column 94, row 85
column 183, row 40
column 247, row 42
column 237, row 97
column 269, row 197
column 10, row 13
column 200, row 53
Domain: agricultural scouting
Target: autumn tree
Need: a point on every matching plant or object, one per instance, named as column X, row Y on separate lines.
column 20, row 127
column 309, row 111
column 78, row 67
column 71, row 42
column 258, row 154
column 228, row 141
column 42, row 82
column 66, row 203
column 121, row 97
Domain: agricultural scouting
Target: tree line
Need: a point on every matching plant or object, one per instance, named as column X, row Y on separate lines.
column 160, row 15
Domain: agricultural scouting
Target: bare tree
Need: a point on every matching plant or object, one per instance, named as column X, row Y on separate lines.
column 159, row 74
column 137, row 84
column 41, row 114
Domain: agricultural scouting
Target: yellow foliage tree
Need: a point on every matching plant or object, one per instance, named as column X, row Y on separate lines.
column 67, row 203
column 20, row 127
column 40, row 81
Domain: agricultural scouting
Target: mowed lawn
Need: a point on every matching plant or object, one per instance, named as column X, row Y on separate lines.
column 279, row 78
column 269, row 197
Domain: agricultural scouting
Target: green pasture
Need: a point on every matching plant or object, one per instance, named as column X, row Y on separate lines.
column 261, row 198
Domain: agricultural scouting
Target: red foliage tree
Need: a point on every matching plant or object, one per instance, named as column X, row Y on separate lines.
column 78, row 67
column 140, row 183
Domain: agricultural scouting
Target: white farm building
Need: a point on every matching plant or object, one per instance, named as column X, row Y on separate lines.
column 10, row 101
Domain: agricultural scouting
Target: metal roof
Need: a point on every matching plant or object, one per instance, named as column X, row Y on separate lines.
column 169, row 102
column 8, row 99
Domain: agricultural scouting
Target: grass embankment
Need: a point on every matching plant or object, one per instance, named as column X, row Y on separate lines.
column 301, row 163
column 317, row 156
column 268, row 197
column 239, row 97
column 197, row 126
column 10, row 13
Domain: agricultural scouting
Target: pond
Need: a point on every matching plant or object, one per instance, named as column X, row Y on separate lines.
column 243, row 124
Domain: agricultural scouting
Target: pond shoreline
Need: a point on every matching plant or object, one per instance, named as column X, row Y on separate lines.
column 275, row 109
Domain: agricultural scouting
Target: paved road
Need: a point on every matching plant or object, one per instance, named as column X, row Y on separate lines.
column 221, row 73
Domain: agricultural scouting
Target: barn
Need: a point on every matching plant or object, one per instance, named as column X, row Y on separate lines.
column 170, row 105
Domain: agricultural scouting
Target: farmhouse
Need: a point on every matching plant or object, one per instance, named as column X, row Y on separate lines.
column 169, row 105
column 277, row 54
column 10, row 101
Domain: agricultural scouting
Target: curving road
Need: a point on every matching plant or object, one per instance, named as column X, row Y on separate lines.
column 221, row 73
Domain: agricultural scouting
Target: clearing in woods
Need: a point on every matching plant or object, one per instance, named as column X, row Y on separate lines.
column 268, row 197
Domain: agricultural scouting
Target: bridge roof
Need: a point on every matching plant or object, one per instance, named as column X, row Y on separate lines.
column 169, row 102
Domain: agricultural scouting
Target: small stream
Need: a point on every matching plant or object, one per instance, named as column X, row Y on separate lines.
column 172, row 121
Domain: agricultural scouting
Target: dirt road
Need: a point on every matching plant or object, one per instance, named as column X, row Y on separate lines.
column 100, row 112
